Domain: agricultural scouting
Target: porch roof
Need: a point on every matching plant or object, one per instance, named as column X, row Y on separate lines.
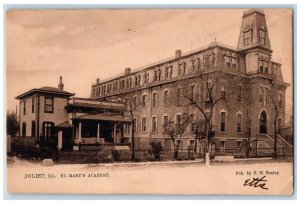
column 64, row 125
column 103, row 117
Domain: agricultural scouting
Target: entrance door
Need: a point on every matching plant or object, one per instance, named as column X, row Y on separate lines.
column 263, row 123
column 107, row 129
column 67, row 142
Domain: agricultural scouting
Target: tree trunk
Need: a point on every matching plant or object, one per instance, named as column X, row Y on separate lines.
column 206, row 147
column 275, row 140
column 132, row 141
column 248, row 143
column 175, row 151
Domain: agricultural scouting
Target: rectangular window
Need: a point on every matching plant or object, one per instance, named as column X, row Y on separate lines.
column 168, row 72
column 179, row 70
column 154, row 124
column 166, row 98
column 261, row 66
column 266, row 67
column 223, row 121
column 247, row 37
column 183, row 68
column 144, row 124
column 178, row 119
column 262, row 37
column 239, row 123
column 134, row 103
column 233, row 62
column 24, row 107
column 32, row 104
column 48, row 128
column 126, row 129
column 192, row 143
column 227, row 61
column 155, row 99
column 144, row 100
column 166, row 119
column 192, row 92
column 196, row 64
column 155, row 75
column 146, row 77
column 49, row 105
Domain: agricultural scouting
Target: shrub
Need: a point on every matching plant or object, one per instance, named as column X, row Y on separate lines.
column 156, row 148
column 116, row 155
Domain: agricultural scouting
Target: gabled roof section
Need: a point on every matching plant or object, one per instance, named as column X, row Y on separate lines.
column 46, row 90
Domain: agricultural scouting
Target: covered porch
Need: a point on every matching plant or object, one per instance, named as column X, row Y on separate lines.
column 99, row 129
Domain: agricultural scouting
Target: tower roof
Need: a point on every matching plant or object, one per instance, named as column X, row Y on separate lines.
column 254, row 32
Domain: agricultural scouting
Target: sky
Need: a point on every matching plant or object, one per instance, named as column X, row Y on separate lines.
column 82, row 45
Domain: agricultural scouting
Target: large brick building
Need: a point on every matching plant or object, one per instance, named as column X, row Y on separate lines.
column 246, row 86
column 247, row 71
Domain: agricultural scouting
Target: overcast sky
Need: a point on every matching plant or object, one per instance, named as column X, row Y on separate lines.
column 81, row 45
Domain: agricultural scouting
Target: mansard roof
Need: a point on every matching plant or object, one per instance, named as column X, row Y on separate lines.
column 172, row 59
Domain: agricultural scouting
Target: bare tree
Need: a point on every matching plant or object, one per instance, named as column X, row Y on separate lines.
column 247, row 102
column 276, row 107
column 131, row 106
column 205, row 104
column 176, row 130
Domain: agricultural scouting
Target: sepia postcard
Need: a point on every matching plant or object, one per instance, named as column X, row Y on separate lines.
column 150, row 101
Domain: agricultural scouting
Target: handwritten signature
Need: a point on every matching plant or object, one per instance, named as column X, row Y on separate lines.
column 257, row 182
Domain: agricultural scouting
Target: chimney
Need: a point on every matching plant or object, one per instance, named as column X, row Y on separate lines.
column 127, row 71
column 60, row 85
column 97, row 81
column 177, row 54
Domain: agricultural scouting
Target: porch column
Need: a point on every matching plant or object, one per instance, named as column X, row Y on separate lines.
column 115, row 133
column 59, row 139
column 130, row 130
column 79, row 133
column 98, row 132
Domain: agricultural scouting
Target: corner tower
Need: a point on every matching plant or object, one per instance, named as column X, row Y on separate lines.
column 254, row 42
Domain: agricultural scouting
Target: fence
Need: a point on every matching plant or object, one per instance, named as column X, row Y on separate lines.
column 105, row 155
column 256, row 153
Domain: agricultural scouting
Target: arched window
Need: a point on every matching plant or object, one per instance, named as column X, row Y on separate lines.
column 223, row 92
column 260, row 94
column 223, row 121
column 279, row 99
column 263, row 123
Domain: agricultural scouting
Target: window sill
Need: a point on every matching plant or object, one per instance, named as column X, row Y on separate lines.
column 223, row 132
